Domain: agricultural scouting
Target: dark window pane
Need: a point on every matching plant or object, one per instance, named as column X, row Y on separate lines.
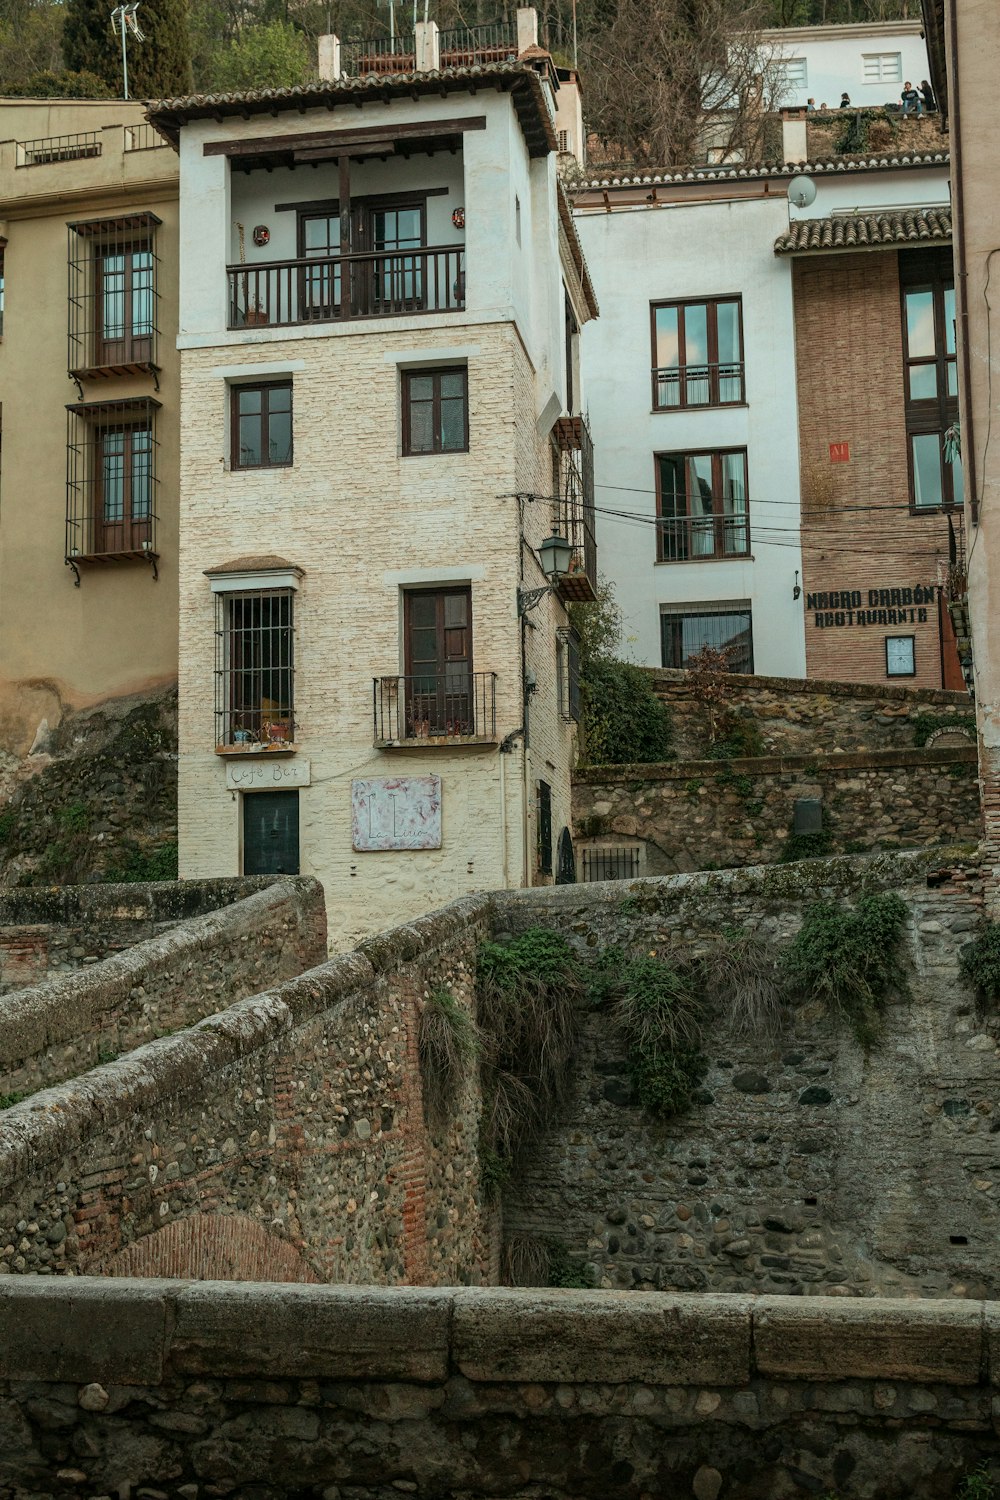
column 421, row 387
column 250, row 400
column 422, row 427
column 279, row 437
column 452, row 384
column 279, row 398
column 452, row 425
column 926, row 469
column 249, row 440
column 686, row 634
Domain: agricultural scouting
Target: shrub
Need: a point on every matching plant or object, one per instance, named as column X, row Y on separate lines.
column 658, row 1016
column 448, row 1042
column 137, row 864
column 737, row 738
column 806, row 846
column 742, row 974
column 527, row 990
column 850, row 959
column 624, row 721
column 980, row 963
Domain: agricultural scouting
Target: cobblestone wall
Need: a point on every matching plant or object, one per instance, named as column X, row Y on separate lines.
column 58, row 1030
column 806, row 716
column 323, row 1393
column 297, row 1114
column 807, row 1164
column 709, row 814
column 46, row 931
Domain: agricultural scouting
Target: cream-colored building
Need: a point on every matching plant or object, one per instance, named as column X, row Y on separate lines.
column 88, row 510
column 963, row 39
column 381, row 295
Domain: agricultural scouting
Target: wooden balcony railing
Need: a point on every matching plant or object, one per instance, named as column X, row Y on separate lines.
column 690, row 538
column 435, row 710
column 379, row 284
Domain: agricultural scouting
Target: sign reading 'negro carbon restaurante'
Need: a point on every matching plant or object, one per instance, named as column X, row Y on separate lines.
column 883, row 606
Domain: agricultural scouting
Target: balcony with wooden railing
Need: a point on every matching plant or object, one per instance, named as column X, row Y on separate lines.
column 375, row 284
column 435, row 711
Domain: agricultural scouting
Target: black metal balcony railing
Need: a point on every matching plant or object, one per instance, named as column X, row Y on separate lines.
column 436, row 709
column 473, row 46
column 687, row 538
column 698, row 385
column 362, row 56
column 51, row 148
column 143, row 138
column 382, row 284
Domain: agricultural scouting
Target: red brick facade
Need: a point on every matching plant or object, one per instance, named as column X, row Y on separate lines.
column 871, row 568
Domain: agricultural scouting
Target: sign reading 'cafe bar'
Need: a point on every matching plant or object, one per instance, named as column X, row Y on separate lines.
column 882, row 607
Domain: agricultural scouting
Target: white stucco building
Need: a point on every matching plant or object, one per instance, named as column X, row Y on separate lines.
column 693, row 393
column 381, row 292
column 870, row 61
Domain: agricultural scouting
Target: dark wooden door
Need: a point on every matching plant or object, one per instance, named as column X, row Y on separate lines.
column 439, row 663
column 271, row 833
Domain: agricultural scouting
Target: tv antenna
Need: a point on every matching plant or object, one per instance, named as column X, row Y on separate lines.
column 123, row 20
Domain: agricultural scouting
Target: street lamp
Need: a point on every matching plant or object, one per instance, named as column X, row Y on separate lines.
column 554, row 557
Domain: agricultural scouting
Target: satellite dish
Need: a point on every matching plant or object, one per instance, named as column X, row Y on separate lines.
column 802, row 192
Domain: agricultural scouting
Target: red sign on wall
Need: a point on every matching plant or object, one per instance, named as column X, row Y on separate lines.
column 840, row 453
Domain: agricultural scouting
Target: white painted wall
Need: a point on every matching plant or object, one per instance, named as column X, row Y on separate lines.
column 869, row 192
column 643, row 255
column 834, row 60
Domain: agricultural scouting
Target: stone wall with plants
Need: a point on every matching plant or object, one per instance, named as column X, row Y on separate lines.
column 731, row 714
column 785, row 1081
column 96, row 799
column 341, row 1393
column 283, row 1137
column 55, row 1031
column 718, row 813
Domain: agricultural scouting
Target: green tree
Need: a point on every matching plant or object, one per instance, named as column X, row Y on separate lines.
column 30, row 42
column 158, row 67
column 65, row 85
column 273, row 56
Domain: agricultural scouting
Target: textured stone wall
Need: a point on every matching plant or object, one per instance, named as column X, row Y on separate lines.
column 804, row 715
column 49, row 931
column 713, row 814
column 807, row 1164
column 58, row 1030
column 318, row 1393
column 296, row 1113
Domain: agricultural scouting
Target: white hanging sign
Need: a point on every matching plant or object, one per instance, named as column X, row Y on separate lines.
column 261, row 773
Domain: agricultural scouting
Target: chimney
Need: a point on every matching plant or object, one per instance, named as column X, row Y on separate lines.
column 527, row 28
column 794, row 145
column 428, row 47
column 329, row 58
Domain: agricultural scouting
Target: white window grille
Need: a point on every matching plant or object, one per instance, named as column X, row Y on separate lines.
column 882, row 67
column 791, row 73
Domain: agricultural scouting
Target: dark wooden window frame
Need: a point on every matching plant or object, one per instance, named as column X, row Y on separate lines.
column 235, row 391
column 439, row 593
column 712, row 303
column 913, row 641
column 130, row 348
column 722, row 612
column 931, row 416
column 719, row 554
column 132, row 532
column 436, row 371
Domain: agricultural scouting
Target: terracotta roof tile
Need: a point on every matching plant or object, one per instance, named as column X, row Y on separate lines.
column 866, row 231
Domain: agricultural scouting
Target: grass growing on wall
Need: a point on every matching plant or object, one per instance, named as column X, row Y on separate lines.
column 850, row 958
column 448, row 1044
column 743, row 975
column 980, row 964
column 658, row 1013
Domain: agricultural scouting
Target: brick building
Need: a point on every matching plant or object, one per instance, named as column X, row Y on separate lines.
column 381, row 292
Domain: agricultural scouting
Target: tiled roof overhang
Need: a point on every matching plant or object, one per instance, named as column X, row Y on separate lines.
column 522, row 83
column 866, row 232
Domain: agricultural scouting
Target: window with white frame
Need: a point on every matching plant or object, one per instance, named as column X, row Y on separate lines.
column 882, row 67
column 791, row 73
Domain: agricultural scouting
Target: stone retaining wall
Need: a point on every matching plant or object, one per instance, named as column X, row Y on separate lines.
column 60, row 1029
column 324, row 1393
column 46, row 931
column 295, row 1115
column 806, row 1164
column 807, row 716
column 711, row 814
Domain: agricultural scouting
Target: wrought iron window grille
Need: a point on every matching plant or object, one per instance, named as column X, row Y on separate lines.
column 111, row 483
column 113, row 298
column 569, row 674
column 610, row 862
column 255, row 670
